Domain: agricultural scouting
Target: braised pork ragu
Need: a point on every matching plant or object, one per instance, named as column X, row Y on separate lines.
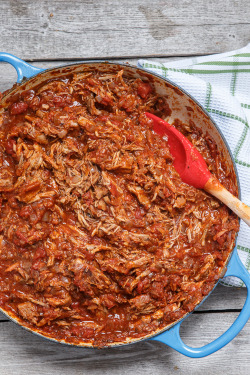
column 101, row 241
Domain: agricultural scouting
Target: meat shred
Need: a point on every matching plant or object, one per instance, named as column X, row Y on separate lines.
column 101, row 241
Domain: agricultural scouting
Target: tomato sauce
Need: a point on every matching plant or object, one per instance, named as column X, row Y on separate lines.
column 101, row 241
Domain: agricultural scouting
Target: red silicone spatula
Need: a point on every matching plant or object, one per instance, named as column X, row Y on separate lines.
column 192, row 168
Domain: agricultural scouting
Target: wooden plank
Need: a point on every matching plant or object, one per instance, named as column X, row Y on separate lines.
column 23, row 353
column 110, row 28
column 224, row 298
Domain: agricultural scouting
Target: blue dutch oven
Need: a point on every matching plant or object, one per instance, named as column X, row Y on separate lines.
column 29, row 76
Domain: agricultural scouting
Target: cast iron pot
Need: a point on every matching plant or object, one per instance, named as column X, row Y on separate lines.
column 183, row 107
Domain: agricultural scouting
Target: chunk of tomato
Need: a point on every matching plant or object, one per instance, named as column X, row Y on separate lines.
column 144, row 89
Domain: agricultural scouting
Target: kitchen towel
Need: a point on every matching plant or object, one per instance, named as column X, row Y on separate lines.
column 221, row 84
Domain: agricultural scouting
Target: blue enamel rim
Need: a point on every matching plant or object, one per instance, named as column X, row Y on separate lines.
column 171, row 336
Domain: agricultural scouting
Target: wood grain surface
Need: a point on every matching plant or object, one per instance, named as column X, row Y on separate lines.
column 52, row 33
column 23, row 353
column 59, row 29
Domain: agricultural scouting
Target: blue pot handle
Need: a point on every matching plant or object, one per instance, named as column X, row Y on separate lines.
column 24, row 70
column 172, row 336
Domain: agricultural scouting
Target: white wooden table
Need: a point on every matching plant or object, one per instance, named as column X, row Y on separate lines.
column 50, row 33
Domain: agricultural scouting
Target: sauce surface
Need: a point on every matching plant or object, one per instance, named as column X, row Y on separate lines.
column 101, row 241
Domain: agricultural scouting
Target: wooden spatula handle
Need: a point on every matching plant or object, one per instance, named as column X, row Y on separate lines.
column 214, row 187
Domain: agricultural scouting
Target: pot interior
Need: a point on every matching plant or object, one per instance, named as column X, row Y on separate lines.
column 183, row 108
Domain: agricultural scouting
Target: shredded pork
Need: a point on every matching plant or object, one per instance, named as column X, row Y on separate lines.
column 100, row 239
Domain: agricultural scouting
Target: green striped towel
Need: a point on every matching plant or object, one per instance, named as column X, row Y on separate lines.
column 221, row 83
